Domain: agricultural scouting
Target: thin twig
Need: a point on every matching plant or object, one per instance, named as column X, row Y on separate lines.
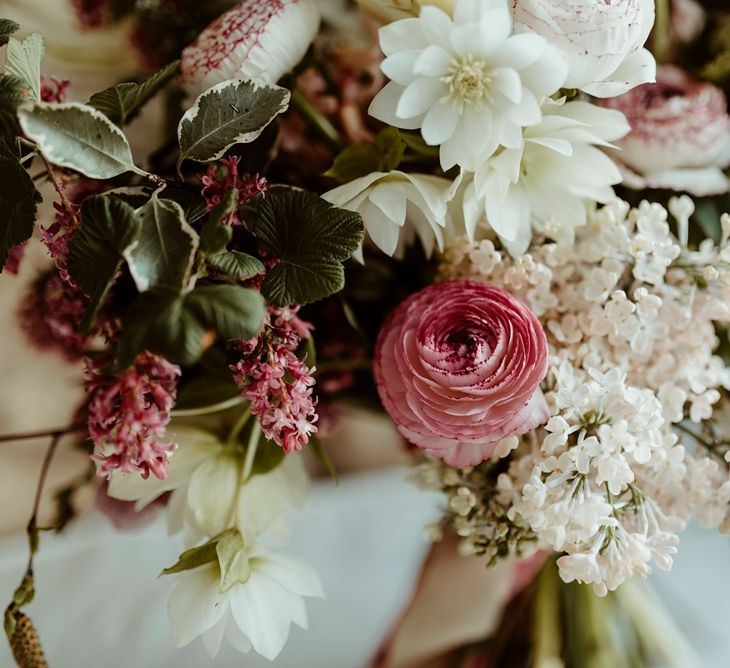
column 67, row 205
column 30, row 435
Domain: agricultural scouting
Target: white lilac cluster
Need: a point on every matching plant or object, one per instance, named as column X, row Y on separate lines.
column 484, row 82
column 630, row 451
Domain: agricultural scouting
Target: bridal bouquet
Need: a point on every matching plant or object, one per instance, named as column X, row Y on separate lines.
column 408, row 203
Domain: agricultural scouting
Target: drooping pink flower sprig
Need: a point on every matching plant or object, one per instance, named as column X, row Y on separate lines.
column 58, row 235
column 223, row 177
column 129, row 412
column 53, row 89
column 277, row 384
column 15, row 257
column 51, row 314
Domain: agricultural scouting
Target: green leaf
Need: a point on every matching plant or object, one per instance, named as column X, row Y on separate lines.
column 323, row 458
column 198, row 556
column 363, row 159
column 268, row 457
column 23, row 60
column 108, row 228
column 181, row 326
column 7, row 28
column 165, row 246
column 233, row 560
column 236, row 265
column 18, row 203
column 311, row 239
column 78, row 137
column 215, row 235
column 11, row 97
column 232, row 112
column 121, row 103
column 193, row 205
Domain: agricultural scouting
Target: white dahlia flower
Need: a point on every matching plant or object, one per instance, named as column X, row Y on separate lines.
column 468, row 83
column 255, row 39
column 550, row 181
column 602, row 40
column 396, row 208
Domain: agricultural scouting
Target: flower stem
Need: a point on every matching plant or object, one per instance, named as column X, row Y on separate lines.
column 207, row 410
column 546, row 615
column 31, row 435
column 319, row 123
column 662, row 29
column 251, row 448
column 238, row 427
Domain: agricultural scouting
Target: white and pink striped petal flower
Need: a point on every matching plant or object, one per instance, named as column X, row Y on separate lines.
column 256, row 39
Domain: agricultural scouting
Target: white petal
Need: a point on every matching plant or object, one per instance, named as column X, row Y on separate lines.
column 196, row 604
column 637, row 69
column 404, row 35
column 384, row 105
column 237, row 638
column 212, row 637
column 261, row 610
column 390, row 198
column 293, row 574
column 509, row 214
column 431, row 62
column 343, row 195
column 419, row 96
column 194, row 445
column 546, row 75
column 466, row 11
column 697, row 182
column 508, row 83
column 436, row 25
column 439, row 123
column 212, row 492
column 400, row 66
column 382, row 231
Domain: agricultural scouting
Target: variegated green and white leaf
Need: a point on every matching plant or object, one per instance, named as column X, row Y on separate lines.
column 23, row 60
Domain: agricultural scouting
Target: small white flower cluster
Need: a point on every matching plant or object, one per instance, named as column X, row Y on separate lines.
column 630, row 314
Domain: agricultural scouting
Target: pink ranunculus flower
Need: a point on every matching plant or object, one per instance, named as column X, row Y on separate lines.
column 255, row 39
column 680, row 135
column 458, row 367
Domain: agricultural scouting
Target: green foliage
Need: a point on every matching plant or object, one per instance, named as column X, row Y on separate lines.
column 362, row 159
column 233, row 560
column 7, row 28
column 165, row 246
column 236, row 265
column 198, row 556
column 323, row 458
column 182, row 325
column 108, row 230
column 78, row 137
column 310, row 238
column 23, row 60
column 215, row 235
column 233, row 112
column 11, row 97
column 121, row 103
column 18, row 202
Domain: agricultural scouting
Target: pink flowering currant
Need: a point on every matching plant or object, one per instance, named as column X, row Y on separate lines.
column 128, row 412
column 276, row 382
column 223, row 177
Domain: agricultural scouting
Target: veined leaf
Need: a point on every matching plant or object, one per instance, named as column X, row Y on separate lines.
column 236, row 265
column 165, row 246
column 197, row 556
column 78, row 137
column 7, row 28
column 233, row 560
column 12, row 96
column 108, row 228
column 181, row 326
column 18, row 203
column 121, row 103
column 311, row 238
column 23, row 60
column 215, row 235
column 232, row 112
column 359, row 160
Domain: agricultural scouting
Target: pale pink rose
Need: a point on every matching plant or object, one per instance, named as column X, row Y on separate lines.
column 680, row 135
column 255, row 39
column 458, row 367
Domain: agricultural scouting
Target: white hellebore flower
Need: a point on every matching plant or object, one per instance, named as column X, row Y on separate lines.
column 255, row 39
column 468, row 83
column 549, row 182
column 256, row 610
column 208, row 495
column 396, row 207
column 602, row 40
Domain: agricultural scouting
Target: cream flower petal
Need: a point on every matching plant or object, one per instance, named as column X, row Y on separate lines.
column 196, row 604
column 212, row 492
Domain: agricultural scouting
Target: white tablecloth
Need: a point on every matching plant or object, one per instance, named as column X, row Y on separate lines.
column 99, row 602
